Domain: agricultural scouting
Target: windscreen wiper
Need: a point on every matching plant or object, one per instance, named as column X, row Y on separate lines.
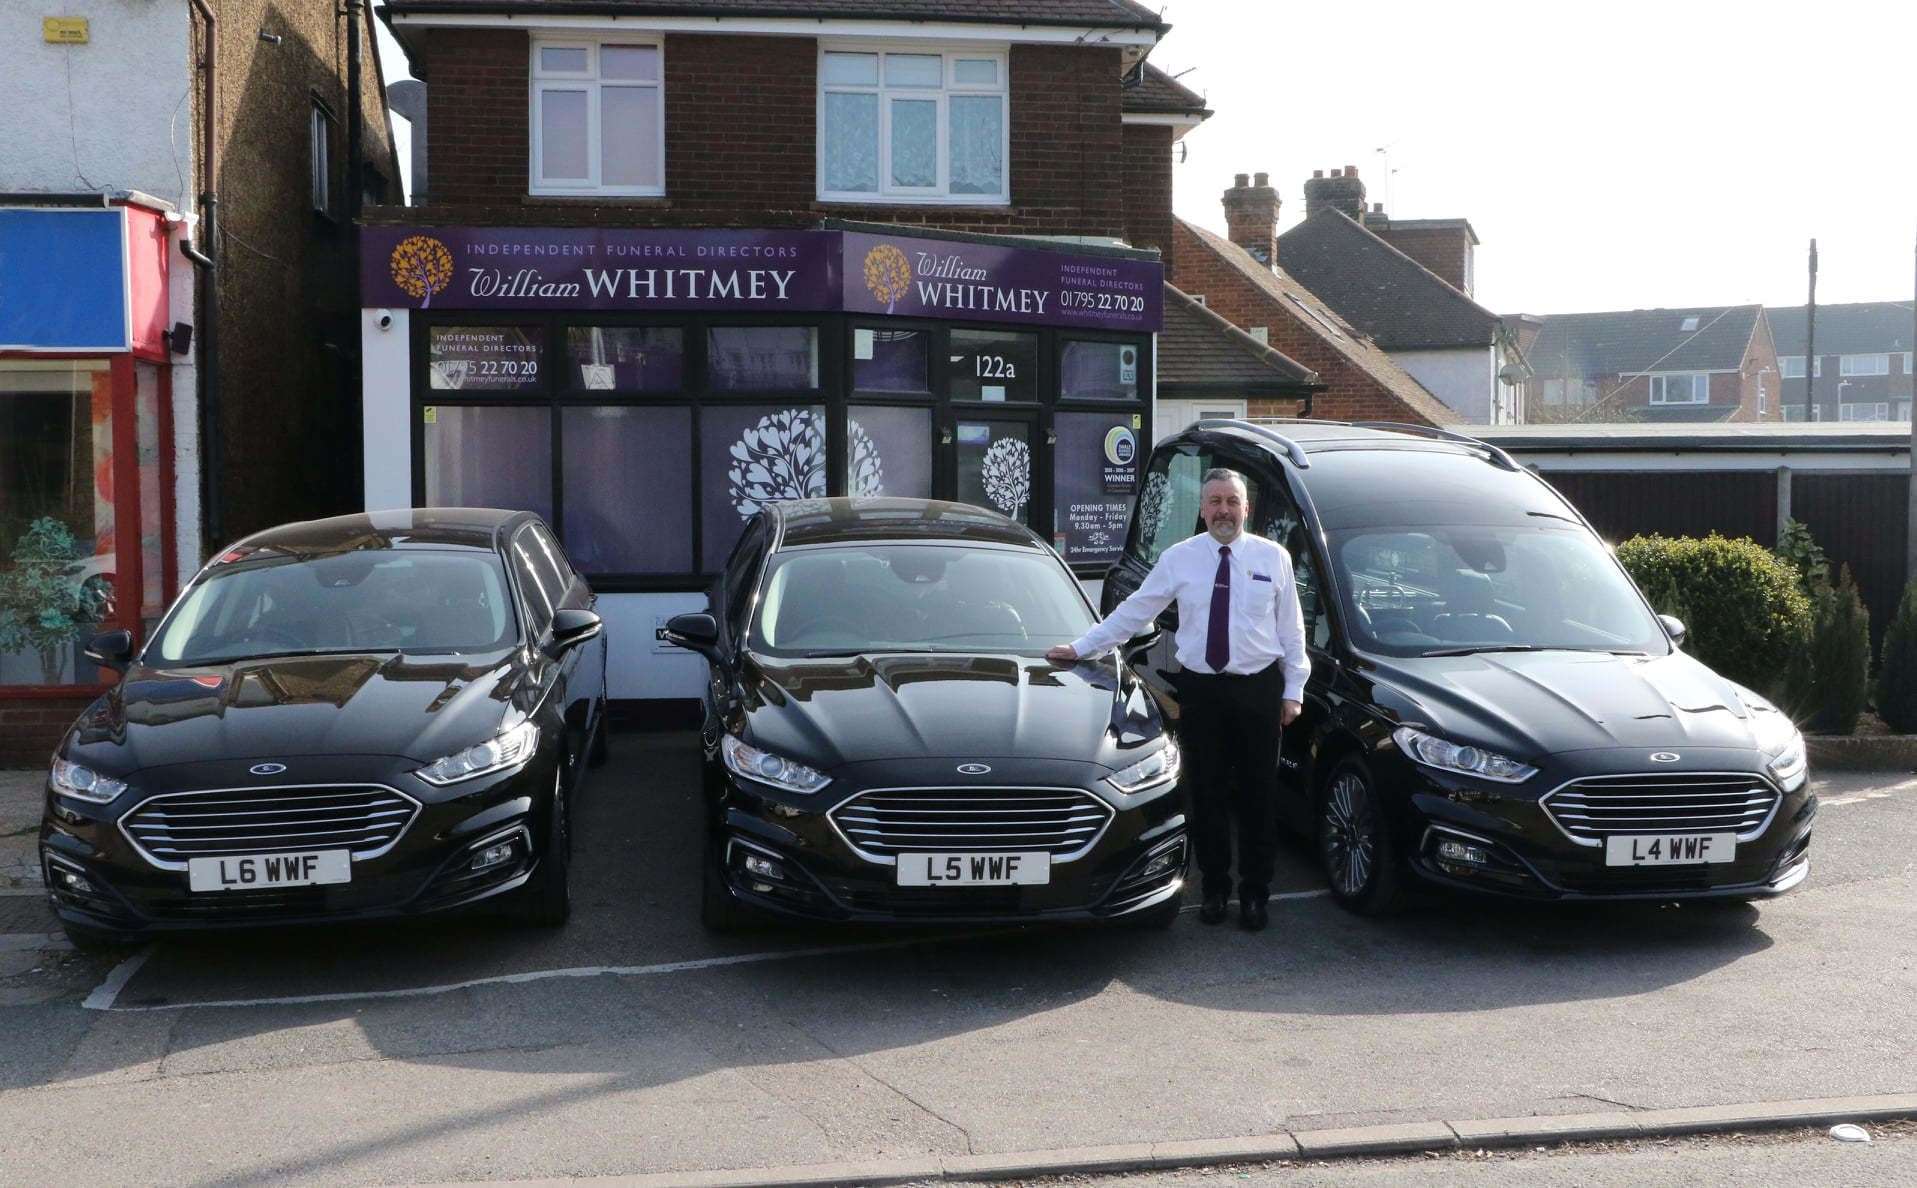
column 1477, row 648
column 201, row 661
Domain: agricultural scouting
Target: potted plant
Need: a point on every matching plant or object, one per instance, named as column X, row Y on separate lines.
column 45, row 603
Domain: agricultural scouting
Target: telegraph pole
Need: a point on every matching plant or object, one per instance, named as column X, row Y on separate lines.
column 1810, row 343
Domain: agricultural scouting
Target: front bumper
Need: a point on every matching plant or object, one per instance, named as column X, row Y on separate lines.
column 1136, row 864
column 98, row 879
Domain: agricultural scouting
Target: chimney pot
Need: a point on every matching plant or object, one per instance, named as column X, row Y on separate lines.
column 1377, row 208
column 1261, row 179
column 1239, row 181
column 1351, row 171
column 1317, row 173
column 1337, row 173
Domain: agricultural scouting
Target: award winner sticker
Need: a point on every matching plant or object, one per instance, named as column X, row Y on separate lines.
column 1120, row 446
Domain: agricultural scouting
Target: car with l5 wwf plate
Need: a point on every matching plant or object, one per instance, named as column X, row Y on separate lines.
column 367, row 716
column 885, row 741
column 1493, row 705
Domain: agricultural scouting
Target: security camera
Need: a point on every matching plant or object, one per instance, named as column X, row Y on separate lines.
column 385, row 320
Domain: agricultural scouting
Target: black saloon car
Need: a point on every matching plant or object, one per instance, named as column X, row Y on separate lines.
column 366, row 716
column 885, row 740
column 1492, row 705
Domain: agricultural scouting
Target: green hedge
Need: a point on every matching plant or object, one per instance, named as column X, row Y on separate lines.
column 1839, row 653
column 1897, row 667
column 1746, row 615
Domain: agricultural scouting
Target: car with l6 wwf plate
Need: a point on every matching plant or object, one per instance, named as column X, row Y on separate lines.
column 885, row 741
column 367, row 716
column 1493, row 706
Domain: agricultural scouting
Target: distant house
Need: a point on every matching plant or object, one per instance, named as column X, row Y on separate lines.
column 1654, row 365
column 1209, row 368
column 1863, row 361
column 1407, row 283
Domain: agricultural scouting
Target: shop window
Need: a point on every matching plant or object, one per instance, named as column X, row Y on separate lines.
column 1095, row 473
column 993, row 365
column 891, row 360
column 763, row 358
column 625, row 358
column 57, row 560
column 752, row 456
column 488, row 456
column 483, row 359
column 909, row 125
column 627, row 479
column 889, row 451
column 598, row 118
column 1099, row 371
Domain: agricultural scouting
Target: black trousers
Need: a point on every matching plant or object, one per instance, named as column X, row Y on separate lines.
column 1229, row 730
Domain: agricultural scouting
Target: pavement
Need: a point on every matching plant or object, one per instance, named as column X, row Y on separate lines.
column 631, row 1042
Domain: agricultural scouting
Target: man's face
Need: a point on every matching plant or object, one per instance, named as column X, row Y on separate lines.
column 1222, row 504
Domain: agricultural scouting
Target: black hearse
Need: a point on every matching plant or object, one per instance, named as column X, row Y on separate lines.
column 1493, row 705
column 885, row 740
column 371, row 715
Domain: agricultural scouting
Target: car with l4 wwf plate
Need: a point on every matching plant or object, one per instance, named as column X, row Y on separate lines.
column 368, row 716
column 885, row 741
column 1493, row 706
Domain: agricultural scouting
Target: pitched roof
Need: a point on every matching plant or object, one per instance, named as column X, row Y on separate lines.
column 1399, row 302
column 1199, row 350
column 1152, row 90
column 1127, row 14
column 1631, row 341
column 1321, row 320
column 1860, row 328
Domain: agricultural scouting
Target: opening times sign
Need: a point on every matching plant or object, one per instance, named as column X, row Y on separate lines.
column 633, row 270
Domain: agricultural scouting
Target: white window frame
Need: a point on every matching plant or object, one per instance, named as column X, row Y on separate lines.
column 1907, row 355
column 539, row 82
column 1864, row 410
column 1863, row 365
column 1785, row 364
column 319, row 131
column 939, row 194
column 1660, row 392
column 1763, row 397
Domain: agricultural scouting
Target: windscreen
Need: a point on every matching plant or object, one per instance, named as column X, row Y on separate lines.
column 916, row 598
column 365, row 601
column 1466, row 587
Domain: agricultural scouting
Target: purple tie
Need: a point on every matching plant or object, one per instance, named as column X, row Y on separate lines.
column 1218, row 629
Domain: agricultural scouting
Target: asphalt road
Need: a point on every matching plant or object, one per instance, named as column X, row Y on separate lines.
column 631, row 1041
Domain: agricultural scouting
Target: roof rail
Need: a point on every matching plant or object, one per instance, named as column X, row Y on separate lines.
column 1498, row 456
column 1292, row 449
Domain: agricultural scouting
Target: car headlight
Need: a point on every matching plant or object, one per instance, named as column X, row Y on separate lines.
column 1778, row 737
column 1444, row 755
column 508, row 750
column 1789, row 765
column 1159, row 767
column 84, row 783
column 744, row 759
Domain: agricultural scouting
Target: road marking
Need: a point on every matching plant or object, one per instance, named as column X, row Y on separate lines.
column 103, row 995
column 1854, row 799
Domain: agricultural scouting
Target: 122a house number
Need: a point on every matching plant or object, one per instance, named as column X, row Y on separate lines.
column 996, row 367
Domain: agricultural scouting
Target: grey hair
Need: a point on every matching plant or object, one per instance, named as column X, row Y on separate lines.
column 1219, row 474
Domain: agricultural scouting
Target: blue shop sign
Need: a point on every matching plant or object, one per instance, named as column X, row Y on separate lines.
column 63, row 280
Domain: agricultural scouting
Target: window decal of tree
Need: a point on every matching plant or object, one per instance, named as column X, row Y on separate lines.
column 888, row 274
column 1007, row 472
column 783, row 458
column 422, row 266
column 1153, row 506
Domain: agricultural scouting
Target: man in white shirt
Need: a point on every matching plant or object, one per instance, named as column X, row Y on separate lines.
column 1241, row 644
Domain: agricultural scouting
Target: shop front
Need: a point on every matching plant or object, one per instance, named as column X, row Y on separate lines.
column 648, row 391
column 85, row 450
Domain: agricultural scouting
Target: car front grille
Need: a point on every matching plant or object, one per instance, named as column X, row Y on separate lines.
column 1592, row 809
column 173, row 828
column 1064, row 822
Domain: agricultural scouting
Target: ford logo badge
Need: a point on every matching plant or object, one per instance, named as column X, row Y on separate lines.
column 1665, row 756
column 974, row 768
column 267, row 768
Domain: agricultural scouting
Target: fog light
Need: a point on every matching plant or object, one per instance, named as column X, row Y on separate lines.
column 1163, row 862
column 1457, row 851
column 765, row 868
column 493, row 855
column 75, row 883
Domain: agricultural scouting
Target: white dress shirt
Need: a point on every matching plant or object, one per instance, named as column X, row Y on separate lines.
column 1267, row 623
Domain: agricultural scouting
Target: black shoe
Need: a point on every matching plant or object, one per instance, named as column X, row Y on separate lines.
column 1213, row 911
column 1252, row 915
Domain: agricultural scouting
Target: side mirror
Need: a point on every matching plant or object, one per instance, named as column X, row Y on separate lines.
column 571, row 628
column 695, row 632
column 1141, row 643
column 111, row 649
column 1674, row 627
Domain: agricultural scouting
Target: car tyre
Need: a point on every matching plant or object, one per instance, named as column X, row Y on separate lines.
column 600, row 750
column 1354, row 841
column 547, row 898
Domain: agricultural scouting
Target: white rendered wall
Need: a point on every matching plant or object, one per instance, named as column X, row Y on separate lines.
column 387, row 427
column 1462, row 378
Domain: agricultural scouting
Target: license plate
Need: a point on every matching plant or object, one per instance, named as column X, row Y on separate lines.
column 974, row 870
column 1670, row 849
column 251, row 872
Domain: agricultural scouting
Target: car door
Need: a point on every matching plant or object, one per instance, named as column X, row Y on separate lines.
column 1279, row 519
column 545, row 595
column 585, row 671
column 730, row 603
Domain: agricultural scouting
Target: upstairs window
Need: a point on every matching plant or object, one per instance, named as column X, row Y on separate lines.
column 1792, row 366
column 598, row 118
column 913, row 126
column 1681, row 388
column 1863, row 365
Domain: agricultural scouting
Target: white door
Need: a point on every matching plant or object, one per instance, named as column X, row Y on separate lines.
column 1173, row 416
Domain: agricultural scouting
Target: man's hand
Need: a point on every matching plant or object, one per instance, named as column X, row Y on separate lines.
column 1289, row 713
column 1062, row 654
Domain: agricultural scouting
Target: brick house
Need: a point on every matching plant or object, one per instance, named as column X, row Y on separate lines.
column 1654, row 365
column 689, row 256
column 182, row 369
column 1863, row 360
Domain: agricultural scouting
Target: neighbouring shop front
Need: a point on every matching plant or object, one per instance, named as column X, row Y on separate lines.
column 649, row 390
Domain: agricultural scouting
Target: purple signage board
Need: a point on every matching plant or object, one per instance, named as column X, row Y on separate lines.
column 632, row 270
column 552, row 268
column 907, row 276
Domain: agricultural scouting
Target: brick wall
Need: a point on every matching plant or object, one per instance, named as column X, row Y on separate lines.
column 1147, row 164
column 741, row 137
column 30, row 727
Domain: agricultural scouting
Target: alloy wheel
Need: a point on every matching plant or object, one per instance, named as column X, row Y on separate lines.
column 1348, row 835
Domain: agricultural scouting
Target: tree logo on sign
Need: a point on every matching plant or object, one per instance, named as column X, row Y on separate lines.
column 888, row 274
column 782, row 458
column 421, row 266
